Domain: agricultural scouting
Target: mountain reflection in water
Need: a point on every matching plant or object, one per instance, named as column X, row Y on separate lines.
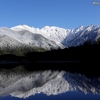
column 21, row 83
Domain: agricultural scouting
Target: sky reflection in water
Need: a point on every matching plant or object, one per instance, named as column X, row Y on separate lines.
column 63, row 96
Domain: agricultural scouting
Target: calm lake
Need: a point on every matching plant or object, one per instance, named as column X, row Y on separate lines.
column 20, row 84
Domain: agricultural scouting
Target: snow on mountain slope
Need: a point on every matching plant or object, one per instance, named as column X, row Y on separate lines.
column 53, row 33
column 26, row 37
column 49, row 82
column 63, row 36
column 6, row 41
column 51, row 37
column 38, row 40
column 8, row 32
column 82, row 34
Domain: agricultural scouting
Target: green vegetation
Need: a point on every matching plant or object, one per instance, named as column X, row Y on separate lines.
column 20, row 50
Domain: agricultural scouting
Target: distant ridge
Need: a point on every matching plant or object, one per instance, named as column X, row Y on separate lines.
column 47, row 38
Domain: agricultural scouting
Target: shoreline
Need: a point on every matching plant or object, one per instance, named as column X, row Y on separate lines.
column 90, row 69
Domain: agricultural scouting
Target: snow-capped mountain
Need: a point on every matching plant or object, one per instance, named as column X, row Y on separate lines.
column 25, row 84
column 82, row 34
column 24, row 37
column 8, row 41
column 48, row 37
column 53, row 33
column 63, row 36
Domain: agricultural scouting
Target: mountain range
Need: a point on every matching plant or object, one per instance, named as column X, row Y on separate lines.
column 48, row 37
column 9, row 37
column 23, row 84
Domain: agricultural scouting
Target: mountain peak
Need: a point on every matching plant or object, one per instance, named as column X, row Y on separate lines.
column 20, row 27
column 81, row 26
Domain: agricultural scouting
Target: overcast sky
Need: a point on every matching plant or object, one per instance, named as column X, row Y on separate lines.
column 67, row 14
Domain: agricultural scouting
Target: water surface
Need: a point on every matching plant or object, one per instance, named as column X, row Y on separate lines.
column 19, row 84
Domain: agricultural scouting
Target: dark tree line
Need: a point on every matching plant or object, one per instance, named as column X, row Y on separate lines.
column 86, row 52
